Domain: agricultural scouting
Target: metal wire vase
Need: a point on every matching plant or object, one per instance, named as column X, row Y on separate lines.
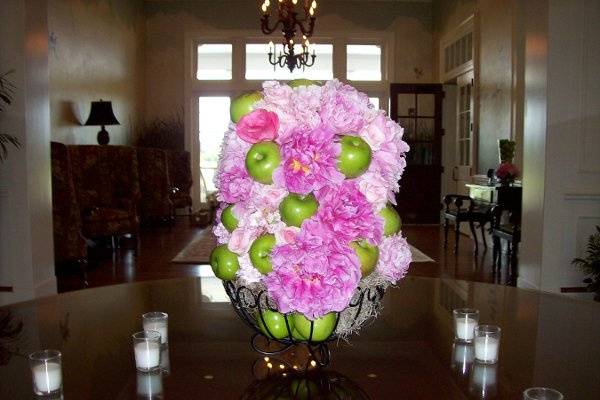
column 250, row 305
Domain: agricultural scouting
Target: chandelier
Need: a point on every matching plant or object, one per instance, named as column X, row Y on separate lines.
column 289, row 22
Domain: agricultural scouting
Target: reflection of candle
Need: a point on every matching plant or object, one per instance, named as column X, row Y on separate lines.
column 165, row 362
column 147, row 355
column 465, row 328
column 486, row 349
column 47, row 377
column 463, row 357
column 483, row 380
column 149, row 384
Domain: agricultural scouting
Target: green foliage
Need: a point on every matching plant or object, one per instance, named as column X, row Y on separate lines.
column 590, row 264
column 7, row 90
column 507, row 149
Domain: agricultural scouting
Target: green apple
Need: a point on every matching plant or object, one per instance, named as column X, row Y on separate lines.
column 275, row 323
column 322, row 327
column 367, row 255
column 355, row 157
column 295, row 208
column 242, row 105
column 224, row 262
column 301, row 82
column 295, row 334
column 262, row 159
column 260, row 253
column 228, row 219
column 391, row 220
column 304, row 389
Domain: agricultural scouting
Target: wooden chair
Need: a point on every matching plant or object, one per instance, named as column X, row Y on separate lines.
column 506, row 225
column 459, row 208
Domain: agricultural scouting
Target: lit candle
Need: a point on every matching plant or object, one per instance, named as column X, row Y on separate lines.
column 487, row 343
column 157, row 321
column 46, row 371
column 47, row 377
column 146, row 347
column 465, row 321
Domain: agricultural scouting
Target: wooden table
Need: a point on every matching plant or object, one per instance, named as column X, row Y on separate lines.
column 407, row 353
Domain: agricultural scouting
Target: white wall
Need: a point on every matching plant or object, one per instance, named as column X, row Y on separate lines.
column 96, row 53
column 26, row 255
column 561, row 191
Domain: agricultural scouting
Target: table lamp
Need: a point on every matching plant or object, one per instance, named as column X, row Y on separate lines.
column 101, row 114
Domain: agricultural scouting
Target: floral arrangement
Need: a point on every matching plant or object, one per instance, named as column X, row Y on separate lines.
column 507, row 172
column 306, row 180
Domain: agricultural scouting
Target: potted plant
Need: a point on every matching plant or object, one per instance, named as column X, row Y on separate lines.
column 6, row 96
column 590, row 264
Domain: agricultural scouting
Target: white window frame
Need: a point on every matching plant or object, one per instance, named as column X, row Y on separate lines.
column 194, row 88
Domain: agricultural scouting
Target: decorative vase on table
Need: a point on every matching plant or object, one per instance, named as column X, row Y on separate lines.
column 308, row 235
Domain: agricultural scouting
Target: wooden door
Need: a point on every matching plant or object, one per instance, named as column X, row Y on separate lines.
column 418, row 108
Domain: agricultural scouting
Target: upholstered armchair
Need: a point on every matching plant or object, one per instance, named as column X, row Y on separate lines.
column 155, row 188
column 69, row 245
column 180, row 176
column 107, row 184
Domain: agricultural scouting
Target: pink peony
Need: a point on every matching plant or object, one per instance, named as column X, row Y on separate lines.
column 374, row 188
column 234, row 184
column 309, row 162
column 342, row 107
column 348, row 215
column 312, row 280
column 257, row 126
column 394, row 258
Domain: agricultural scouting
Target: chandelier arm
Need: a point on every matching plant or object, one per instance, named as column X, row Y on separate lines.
column 264, row 26
column 306, row 31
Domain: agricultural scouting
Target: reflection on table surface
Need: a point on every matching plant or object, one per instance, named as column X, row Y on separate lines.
column 408, row 352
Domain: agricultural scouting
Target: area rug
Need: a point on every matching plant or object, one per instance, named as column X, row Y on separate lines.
column 198, row 250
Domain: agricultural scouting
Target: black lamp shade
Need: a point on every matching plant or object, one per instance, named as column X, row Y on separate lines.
column 101, row 114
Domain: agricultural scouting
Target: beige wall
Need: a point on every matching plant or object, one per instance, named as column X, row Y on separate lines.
column 96, row 52
column 26, row 259
column 167, row 22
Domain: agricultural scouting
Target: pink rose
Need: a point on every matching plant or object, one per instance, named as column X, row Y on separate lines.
column 241, row 239
column 258, row 126
column 286, row 234
column 374, row 188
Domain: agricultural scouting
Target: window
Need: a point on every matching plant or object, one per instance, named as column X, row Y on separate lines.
column 259, row 68
column 221, row 67
column 363, row 62
column 214, row 62
column 374, row 101
column 213, row 117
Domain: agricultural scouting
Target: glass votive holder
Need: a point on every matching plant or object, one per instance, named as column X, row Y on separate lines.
column 165, row 360
column 465, row 321
column 159, row 322
column 149, row 384
column 487, row 343
column 146, row 347
column 46, row 370
column 542, row 393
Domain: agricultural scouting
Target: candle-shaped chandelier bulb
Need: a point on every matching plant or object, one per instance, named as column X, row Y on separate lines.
column 291, row 22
